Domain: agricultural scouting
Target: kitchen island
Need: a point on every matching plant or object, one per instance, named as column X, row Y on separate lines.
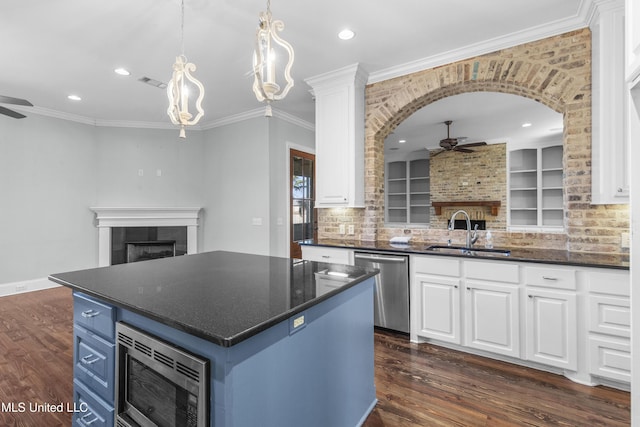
column 289, row 342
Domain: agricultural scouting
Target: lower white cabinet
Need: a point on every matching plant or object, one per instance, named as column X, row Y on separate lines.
column 609, row 320
column 574, row 319
column 492, row 317
column 439, row 299
column 551, row 327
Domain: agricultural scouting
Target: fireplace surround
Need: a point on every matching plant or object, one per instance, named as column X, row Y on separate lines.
column 108, row 218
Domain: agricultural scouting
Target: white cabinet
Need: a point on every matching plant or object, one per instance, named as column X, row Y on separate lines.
column 339, row 137
column 551, row 328
column 632, row 39
column 492, row 307
column 609, row 311
column 551, row 316
column 436, row 298
column 609, row 143
column 326, row 254
column 492, row 317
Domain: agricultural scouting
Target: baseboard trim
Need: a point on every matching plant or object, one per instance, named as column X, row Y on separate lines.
column 15, row 288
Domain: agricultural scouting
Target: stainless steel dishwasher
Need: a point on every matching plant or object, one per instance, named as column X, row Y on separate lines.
column 392, row 288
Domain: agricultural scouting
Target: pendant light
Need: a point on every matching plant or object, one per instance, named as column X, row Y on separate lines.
column 265, row 85
column 182, row 89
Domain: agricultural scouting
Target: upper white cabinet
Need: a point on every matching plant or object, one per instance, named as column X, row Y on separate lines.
column 632, row 40
column 610, row 150
column 339, row 137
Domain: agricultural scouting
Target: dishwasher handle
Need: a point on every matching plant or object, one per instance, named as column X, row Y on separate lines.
column 378, row 258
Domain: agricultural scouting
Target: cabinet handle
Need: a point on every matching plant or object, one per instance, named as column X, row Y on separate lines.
column 87, row 423
column 90, row 313
column 88, row 361
column 468, row 288
column 455, row 286
column 326, row 256
column 549, row 278
column 530, row 296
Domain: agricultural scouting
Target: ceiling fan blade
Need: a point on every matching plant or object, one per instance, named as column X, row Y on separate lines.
column 462, row 150
column 15, row 101
column 473, row 144
column 11, row 113
column 435, row 153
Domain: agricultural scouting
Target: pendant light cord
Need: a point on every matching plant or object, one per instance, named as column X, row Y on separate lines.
column 182, row 29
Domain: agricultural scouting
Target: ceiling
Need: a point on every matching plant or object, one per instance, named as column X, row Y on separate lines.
column 51, row 49
column 491, row 117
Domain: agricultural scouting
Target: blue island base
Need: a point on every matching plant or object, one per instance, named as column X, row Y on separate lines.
column 314, row 369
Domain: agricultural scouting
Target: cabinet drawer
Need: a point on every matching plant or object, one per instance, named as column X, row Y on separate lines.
column 492, row 271
column 610, row 358
column 94, row 362
column 323, row 254
column 555, row 278
column 92, row 411
column 94, row 315
column 438, row 265
column 609, row 282
column 610, row 315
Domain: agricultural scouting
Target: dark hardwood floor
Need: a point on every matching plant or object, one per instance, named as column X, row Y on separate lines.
column 417, row 385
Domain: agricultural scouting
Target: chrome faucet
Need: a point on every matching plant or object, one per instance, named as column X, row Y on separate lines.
column 472, row 237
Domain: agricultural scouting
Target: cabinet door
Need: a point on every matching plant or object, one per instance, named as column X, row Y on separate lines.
column 438, row 308
column 492, row 314
column 332, row 151
column 551, row 327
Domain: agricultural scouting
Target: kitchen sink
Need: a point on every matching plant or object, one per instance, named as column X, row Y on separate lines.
column 461, row 250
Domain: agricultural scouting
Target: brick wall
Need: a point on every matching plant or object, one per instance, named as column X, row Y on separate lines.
column 555, row 71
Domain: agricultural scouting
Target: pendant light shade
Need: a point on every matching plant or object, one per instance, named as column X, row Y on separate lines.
column 268, row 50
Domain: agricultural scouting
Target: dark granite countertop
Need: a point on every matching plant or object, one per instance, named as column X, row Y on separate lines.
column 517, row 254
column 223, row 297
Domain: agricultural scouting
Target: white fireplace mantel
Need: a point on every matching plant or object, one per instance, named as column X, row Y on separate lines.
column 109, row 217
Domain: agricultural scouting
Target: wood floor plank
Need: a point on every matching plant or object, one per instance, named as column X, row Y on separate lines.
column 417, row 384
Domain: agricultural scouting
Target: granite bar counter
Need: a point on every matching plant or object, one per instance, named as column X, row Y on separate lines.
column 290, row 341
column 546, row 256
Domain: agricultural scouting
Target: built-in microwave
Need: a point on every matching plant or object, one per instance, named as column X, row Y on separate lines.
column 157, row 383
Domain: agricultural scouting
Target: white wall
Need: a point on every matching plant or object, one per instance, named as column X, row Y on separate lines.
column 247, row 178
column 52, row 171
column 47, row 182
column 123, row 152
column 237, row 187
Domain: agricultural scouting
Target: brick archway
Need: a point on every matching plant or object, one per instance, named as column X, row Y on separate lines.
column 555, row 72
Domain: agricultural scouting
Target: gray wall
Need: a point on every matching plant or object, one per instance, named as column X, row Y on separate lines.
column 52, row 171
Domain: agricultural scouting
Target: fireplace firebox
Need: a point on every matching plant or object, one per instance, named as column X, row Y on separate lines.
column 132, row 244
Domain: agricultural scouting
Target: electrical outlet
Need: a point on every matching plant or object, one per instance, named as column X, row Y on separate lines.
column 625, row 241
column 341, row 228
column 352, row 229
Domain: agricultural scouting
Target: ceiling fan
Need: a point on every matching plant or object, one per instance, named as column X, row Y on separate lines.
column 14, row 101
column 451, row 144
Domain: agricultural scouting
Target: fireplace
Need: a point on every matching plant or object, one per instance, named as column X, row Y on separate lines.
column 141, row 227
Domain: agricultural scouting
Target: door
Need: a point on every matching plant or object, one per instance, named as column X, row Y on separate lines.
column 303, row 221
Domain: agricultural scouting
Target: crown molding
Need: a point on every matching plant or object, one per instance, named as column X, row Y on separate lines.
column 549, row 29
column 236, row 118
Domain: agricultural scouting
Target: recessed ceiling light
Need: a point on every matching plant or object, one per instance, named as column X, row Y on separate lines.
column 526, row 125
column 122, row 72
column 74, row 97
column 346, row 34
column 402, row 141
